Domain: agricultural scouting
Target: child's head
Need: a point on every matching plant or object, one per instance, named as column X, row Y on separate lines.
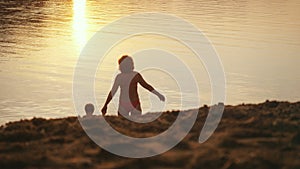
column 126, row 64
column 89, row 109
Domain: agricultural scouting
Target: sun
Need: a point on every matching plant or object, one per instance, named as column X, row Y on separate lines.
column 79, row 23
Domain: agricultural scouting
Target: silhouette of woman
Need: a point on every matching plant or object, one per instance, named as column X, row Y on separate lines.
column 127, row 80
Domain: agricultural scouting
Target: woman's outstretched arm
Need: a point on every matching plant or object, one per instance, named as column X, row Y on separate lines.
column 110, row 95
column 149, row 87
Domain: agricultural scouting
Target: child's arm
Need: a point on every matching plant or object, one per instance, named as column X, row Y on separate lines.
column 149, row 87
column 110, row 95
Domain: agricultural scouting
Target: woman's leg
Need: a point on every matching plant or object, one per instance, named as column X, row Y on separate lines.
column 137, row 111
column 123, row 112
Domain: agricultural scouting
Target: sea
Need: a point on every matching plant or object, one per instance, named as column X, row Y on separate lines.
column 256, row 41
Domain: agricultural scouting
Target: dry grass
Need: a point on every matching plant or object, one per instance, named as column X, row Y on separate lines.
column 265, row 135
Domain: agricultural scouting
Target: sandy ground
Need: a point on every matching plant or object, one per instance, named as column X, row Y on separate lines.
column 249, row 136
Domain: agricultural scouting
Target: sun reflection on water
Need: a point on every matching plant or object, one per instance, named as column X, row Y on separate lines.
column 79, row 23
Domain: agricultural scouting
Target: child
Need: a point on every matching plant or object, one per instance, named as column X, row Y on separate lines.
column 89, row 110
column 127, row 80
